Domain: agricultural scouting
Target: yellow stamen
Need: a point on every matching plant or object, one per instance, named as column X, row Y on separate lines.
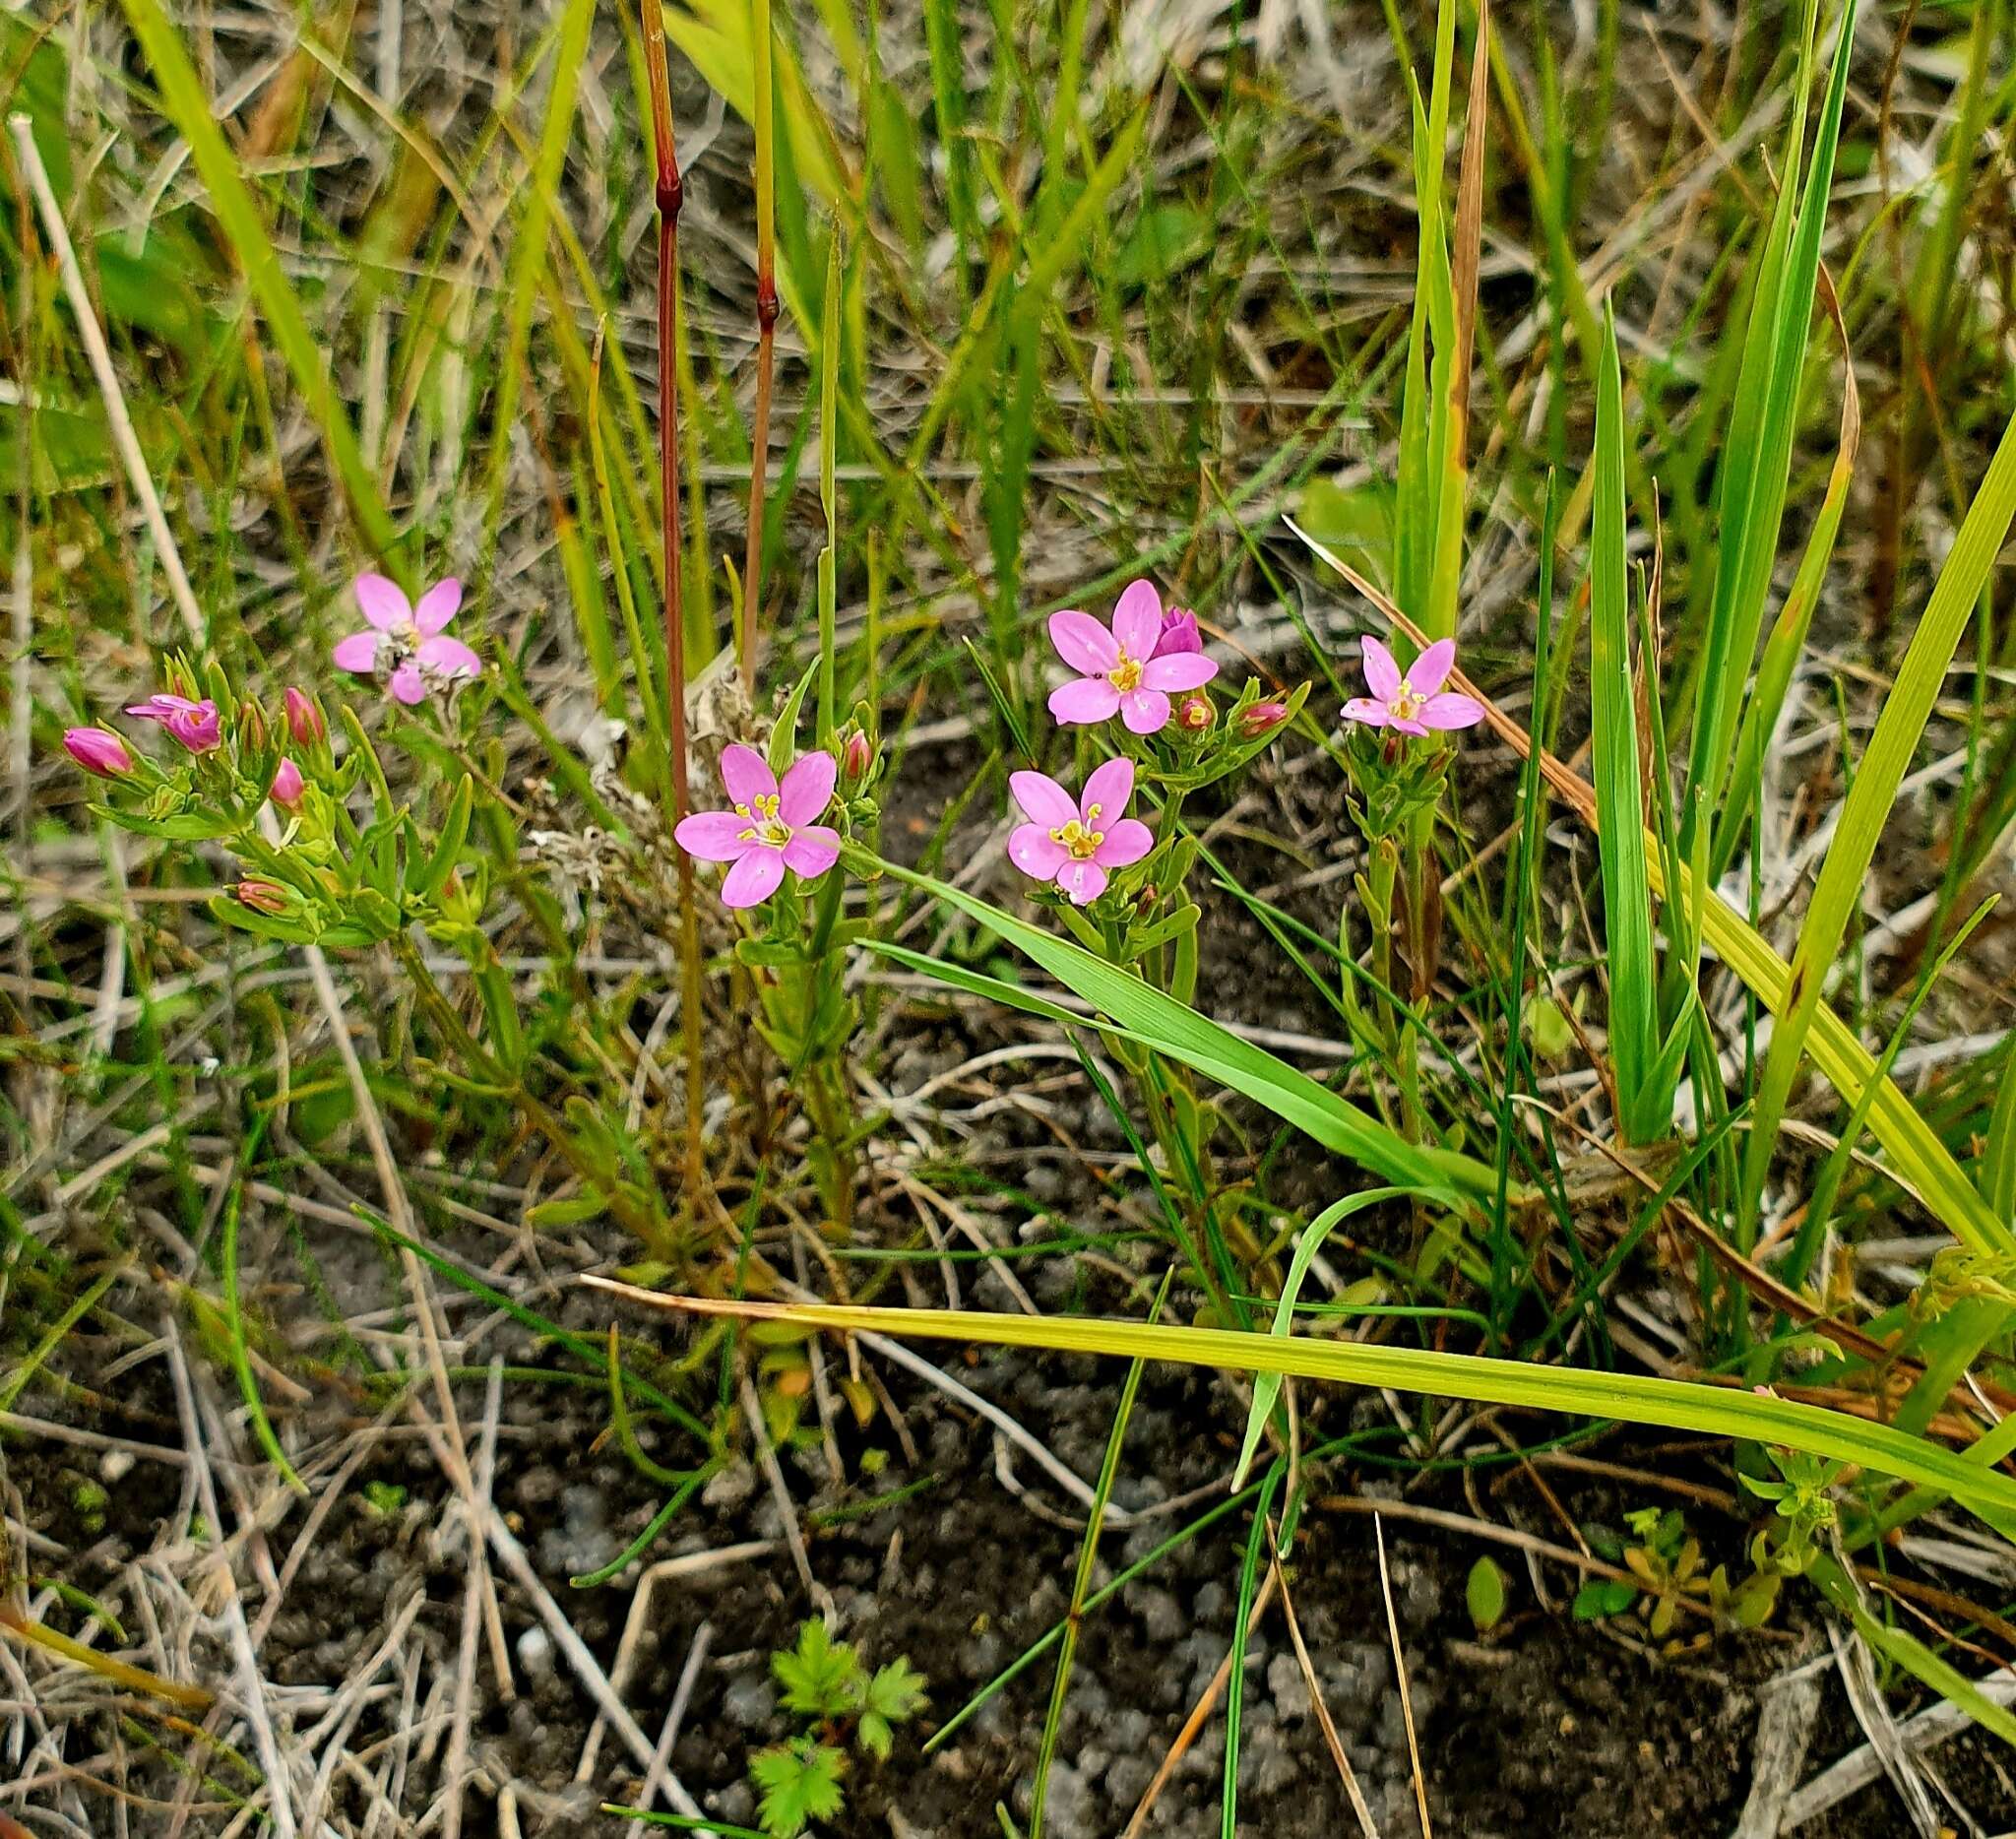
column 1083, row 843
column 1126, row 675
column 1406, row 703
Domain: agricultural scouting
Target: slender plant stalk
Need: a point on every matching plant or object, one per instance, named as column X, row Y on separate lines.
column 766, row 340
column 669, row 200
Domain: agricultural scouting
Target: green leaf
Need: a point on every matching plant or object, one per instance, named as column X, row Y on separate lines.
column 1485, row 1594
column 1604, row 1596
column 896, row 1694
column 821, row 1677
column 799, row 1783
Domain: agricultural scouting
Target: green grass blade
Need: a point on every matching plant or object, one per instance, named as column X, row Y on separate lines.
column 1267, row 1386
column 1620, row 778
column 1758, row 1417
column 1202, row 1046
column 1870, row 800
column 188, row 106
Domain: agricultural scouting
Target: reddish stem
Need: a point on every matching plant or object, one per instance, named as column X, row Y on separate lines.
column 669, row 197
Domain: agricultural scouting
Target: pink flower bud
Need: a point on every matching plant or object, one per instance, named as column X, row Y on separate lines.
column 288, row 785
column 1195, row 712
column 1262, row 719
column 1179, row 633
column 857, row 759
column 98, row 751
column 304, row 720
column 264, row 897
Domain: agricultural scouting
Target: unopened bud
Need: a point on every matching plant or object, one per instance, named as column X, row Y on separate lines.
column 304, row 720
column 288, row 785
column 1195, row 712
column 98, row 751
column 857, row 759
column 1263, row 718
column 264, row 897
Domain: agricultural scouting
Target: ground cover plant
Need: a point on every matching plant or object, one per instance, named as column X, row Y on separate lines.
column 1017, row 919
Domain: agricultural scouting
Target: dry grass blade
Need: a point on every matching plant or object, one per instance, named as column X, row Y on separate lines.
column 1414, row 1748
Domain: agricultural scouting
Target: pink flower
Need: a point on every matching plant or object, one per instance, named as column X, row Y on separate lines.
column 98, row 751
column 406, row 638
column 1076, row 843
column 304, row 720
column 770, row 828
column 288, row 785
column 1261, row 718
column 1124, row 670
column 1414, row 703
column 194, row 724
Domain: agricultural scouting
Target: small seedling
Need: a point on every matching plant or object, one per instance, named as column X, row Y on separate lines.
column 844, row 1705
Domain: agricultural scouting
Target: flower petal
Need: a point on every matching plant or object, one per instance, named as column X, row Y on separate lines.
column 1364, row 709
column 1084, row 882
column 1382, row 675
column 438, row 605
column 384, row 603
column 811, row 851
column 1178, row 670
column 1088, row 699
column 807, row 789
column 1034, row 851
column 408, row 686
column 713, row 836
column 1082, row 643
column 754, row 878
column 1145, row 710
column 747, row 774
column 1044, row 801
column 1107, row 787
column 1127, row 842
column 1430, row 670
column 450, row 656
column 1137, row 620
column 358, row 653
column 1450, row 710
column 1401, row 725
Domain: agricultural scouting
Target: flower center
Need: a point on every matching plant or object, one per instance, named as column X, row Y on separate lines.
column 1406, row 703
column 1079, row 838
column 765, row 826
column 1126, row 675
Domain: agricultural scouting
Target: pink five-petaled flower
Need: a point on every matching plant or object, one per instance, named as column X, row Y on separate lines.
column 1076, row 843
column 287, row 785
column 409, row 637
column 98, row 751
column 194, row 724
column 1416, row 702
column 770, row 829
column 1123, row 670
